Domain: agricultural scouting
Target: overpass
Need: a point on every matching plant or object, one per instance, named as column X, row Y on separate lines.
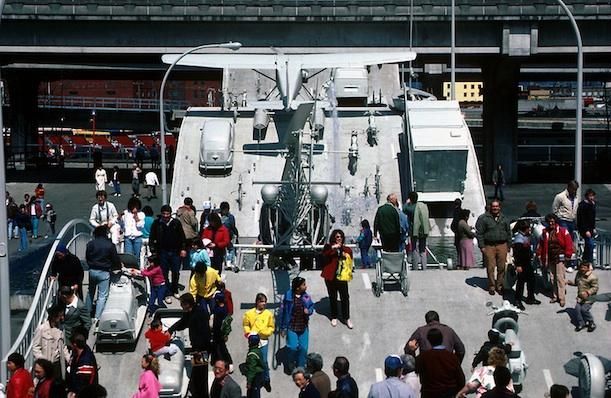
column 46, row 39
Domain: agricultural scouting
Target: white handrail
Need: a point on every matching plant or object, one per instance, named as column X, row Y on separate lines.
column 75, row 235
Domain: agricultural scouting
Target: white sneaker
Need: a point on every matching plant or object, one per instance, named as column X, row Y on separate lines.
column 168, row 300
column 230, row 368
column 176, row 296
column 334, row 322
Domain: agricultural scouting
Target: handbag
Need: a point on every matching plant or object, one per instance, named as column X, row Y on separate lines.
column 345, row 267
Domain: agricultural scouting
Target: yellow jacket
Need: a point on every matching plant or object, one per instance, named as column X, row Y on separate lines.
column 261, row 323
column 204, row 286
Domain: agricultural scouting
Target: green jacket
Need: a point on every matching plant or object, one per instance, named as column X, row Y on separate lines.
column 386, row 221
column 421, row 225
column 587, row 282
column 490, row 230
column 254, row 364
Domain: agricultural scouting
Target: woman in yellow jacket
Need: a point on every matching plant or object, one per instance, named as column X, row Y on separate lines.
column 260, row 321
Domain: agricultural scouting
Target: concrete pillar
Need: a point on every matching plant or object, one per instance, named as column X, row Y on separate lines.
column 23, row 120
column 500, row 116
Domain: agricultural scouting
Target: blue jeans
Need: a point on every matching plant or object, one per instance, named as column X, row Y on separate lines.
column 583, row 314
column 264, row 351
column 570, row 226
column 23, row 238
column 588, row 249
column 297, row 343
column 170, row 263
column 157, row 294
column 133, row 246
column 101, row 279
column 365, row 261
column 11, row 224
column 116, row 185
column 35, row 221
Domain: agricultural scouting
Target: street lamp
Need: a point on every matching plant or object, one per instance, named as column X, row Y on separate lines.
column 230, row 45
column 578, row 116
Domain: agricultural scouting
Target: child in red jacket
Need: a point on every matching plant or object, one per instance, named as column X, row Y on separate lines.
column 159, row 341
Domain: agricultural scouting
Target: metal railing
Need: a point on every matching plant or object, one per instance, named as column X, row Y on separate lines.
column 108, row 103
column 75, row 235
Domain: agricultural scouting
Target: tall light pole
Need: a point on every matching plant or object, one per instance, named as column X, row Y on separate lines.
column 164, row 179
column 5, row 307
column 453, row 52
column 578, row 116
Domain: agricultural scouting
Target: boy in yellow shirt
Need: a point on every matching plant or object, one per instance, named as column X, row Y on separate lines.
column 203, row 285
column 260, row 321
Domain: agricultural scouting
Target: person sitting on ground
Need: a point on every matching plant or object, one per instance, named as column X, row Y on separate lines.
column 482, row 379
column 392, row 386
column 160, row 342
column 587, row 285
column 502, row 379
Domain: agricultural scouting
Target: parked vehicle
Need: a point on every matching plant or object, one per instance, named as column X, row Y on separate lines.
column 216, row 146
column 173, row 372
column 505, row 320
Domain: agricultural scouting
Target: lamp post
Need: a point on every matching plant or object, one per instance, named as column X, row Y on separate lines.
column 453, row 52
column 579, row 96
column 164, row 182
column 5, row 308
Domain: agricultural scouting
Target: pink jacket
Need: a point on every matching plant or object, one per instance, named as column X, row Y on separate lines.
column 155, row 274
column 148, row 386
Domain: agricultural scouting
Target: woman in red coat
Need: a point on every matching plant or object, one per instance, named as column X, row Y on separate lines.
column 43, row 371
column 219, row 238
column 20, row 384
column 332, row 253
column 555, row 249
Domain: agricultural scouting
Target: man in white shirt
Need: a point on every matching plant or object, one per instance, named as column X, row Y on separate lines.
column 103, row 212
column 151, row 181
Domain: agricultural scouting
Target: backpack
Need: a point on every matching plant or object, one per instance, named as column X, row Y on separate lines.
column 345, row 267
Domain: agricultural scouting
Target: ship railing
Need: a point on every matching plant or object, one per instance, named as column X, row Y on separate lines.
column 74, row 235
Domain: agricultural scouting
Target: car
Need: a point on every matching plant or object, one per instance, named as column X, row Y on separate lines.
column 216, row 146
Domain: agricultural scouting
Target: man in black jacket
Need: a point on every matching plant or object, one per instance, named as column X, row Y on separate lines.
column 68, row 270
column 586, row 223
column 197, row 319
column 167, row 240
column 102, row 258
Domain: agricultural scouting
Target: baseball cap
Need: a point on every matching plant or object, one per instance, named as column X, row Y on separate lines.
column 253, row 339
column 61, row 248
column 393, row 362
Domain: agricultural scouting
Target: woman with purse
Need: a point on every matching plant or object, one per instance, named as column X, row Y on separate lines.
column 337, row 272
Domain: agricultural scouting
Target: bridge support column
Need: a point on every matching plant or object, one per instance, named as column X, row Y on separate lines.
column 500, row 116
column 23, row 121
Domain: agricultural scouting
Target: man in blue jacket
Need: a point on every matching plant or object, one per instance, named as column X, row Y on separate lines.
column 297, row 306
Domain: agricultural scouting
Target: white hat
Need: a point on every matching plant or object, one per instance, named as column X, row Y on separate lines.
column 207, row 204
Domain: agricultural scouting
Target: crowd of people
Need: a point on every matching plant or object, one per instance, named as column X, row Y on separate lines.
column 24, row 220
column 175, row 242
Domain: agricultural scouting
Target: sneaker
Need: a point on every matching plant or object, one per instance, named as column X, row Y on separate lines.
column 46, row 236
column 579, row 327
column 591, row 327
column 230, row 368
column 118, row 194
column 168, row 300
column 491, row 292
column 267, row 386
column 176, row 296
column 334, row 322
column 349, row 324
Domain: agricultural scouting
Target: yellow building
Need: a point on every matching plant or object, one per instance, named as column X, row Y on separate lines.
column 465, row 91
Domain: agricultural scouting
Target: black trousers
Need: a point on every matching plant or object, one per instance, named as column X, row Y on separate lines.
column 390, row 243
column 341, row 287
column 527, row 276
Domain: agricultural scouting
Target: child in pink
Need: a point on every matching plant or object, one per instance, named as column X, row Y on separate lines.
column 158, row 285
